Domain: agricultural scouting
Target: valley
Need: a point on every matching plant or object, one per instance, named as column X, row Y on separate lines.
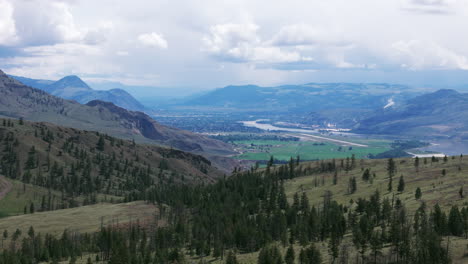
column 233, row 132
column 300, row 182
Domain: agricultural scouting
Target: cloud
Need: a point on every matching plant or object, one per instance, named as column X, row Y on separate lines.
column 357, row 40
column 440, row 7
column 242, row 43
column 38, row 23
column 44, row 23
column 419, row 55
column 7, row 24
column 305, row 35
column 58, row 60
column 153, row 40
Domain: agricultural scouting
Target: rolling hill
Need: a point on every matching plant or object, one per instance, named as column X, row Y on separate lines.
column 20, row 101
column 73, row 88
column 81, row 163
column 440, row 114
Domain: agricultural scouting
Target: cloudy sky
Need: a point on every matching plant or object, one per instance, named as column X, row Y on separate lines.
column 207, row 44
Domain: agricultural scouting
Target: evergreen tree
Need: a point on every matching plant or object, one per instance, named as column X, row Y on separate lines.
column 418, row 193
column 401, row 184
column 100, row 144
column 366, row 175
column 335, row 177
column 455, row 222
column 289, row 258
column 270, row 255
column 231, row 258
column 416, row 163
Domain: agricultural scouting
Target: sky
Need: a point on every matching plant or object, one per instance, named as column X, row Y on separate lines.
column 204, row 44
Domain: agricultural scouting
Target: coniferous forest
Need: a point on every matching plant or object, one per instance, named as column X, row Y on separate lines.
column 244, row 213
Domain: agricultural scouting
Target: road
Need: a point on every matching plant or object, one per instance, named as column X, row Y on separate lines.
column 341, row 142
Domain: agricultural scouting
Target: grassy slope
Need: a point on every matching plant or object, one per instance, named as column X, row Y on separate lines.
column 435, row 189
column 22, row 195
column 81, row 219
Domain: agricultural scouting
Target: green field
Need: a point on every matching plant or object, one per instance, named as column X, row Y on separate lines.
column 307, row 150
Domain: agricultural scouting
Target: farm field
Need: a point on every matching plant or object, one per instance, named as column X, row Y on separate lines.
column 259, row 150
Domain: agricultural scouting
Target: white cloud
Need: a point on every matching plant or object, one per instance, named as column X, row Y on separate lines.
column 304, row 35
column 260, row 41
column 231, row 38
column 45, row 22
column 38, row 23
column 58, row 60
column 7, row 24
column 153, row 40
column 242, row 43
column 419, row 55
column 430, row 6
column 122, row 53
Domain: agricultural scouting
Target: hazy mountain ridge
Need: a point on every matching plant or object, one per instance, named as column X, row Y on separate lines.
column 303, row 98
column 73, row 88
column 442, row 113
column 18, row 100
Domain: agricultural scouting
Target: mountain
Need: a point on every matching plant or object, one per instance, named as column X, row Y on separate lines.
column 36, row 83
column 73, row 88
column 443, row 113
column 49, row 143
column 18, row 100
column 302, row 98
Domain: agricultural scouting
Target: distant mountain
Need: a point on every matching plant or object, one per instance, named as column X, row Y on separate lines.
column 36, row 83
column 303, row 98
column 443, row 113
column 18, row 100
column 341, row 104
column 73, row 88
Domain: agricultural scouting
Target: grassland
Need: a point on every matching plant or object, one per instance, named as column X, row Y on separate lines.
column 84, row 219
column 435, row 187
column 307, row 150
column 22, row 195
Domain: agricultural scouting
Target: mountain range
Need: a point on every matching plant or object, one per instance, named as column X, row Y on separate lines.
column 73, row 88
column 303, row 98
column 443, row 113
column 20, row 101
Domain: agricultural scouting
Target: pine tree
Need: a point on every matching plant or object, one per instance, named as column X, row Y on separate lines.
column 231, row 258
column 366, row 175
column 100, row 144
column 418, row 193
column 455, row 222
column 352, row 185
column 290, row 255
column 335, row 178
column 391, row 167
column 401, row 184
column 416, row 163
